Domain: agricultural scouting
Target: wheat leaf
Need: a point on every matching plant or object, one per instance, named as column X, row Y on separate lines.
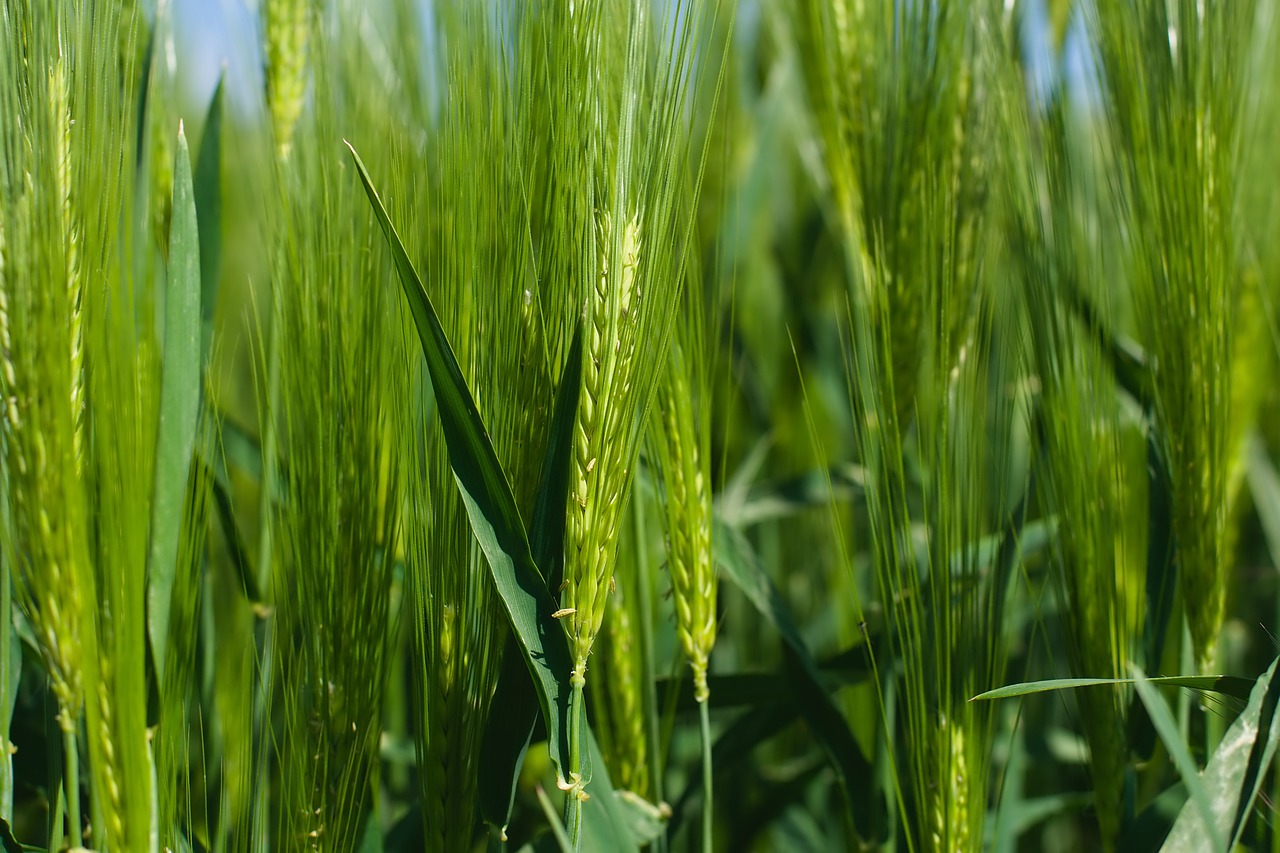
column 1227, row 685
column 208, row 197
column 514, row 713
column 1234, row 775
column 491, row 507
column 179, row 403
column 1167, row 727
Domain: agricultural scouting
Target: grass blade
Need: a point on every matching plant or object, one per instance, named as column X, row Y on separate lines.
column 1227, row 685
column 514, row 711
column 208, row 196
column 179, row 403
column 491, row 507
column 1151, row 826
column 1234, row 775
column 547, row 533
column 1167, row 728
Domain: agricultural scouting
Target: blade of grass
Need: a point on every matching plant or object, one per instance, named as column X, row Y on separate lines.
column 179, row 404
column 10, row 843
column 645, row 821
column 11, row 660
column 208, row 197
column 490, row 504
column 1167, row 727
column 237, row 551
column 1151, row 826
column 1234, row 774
column 1227, row 685
column 772, row 501
column 514, row 713
column 756, row 689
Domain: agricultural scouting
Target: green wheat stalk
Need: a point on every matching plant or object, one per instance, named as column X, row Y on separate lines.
column 1091, row 447
column 900, row 99
column 1173, row 88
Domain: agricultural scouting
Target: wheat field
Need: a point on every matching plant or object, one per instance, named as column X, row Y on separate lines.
column 621, row 425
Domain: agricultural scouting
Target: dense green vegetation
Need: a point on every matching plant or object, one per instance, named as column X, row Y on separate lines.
column 611, row 425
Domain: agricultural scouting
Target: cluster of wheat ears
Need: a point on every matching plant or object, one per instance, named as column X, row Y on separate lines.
column 611, row 425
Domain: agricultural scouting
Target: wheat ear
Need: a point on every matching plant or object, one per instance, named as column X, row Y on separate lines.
column 599, row 442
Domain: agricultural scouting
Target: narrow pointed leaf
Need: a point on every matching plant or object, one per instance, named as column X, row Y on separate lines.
column 1162, row 571
column 1233, row 776
column 553, row 820
column 1152, row 825
column 1227, row 685
column 775, row 500
column 515, row 709
column 179, row 404
column 1167, row 728
column 208, row 195
column 491, row 507
column 10, row 843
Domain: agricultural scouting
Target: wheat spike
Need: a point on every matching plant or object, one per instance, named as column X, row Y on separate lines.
column 60, row 109
column 286, row 29
column 951, row 829
column 688, row 504
column 599, row 442
column 40, row 441
column 627, row 735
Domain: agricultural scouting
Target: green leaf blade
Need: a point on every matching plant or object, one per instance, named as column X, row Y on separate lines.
column 208, row 198
column 179, row 404
column 514, row 713
column 1231, row 781
column 489, row 501
column 1227, row 685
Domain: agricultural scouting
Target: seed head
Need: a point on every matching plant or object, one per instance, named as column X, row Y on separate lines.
column 601, row 436
column 688, row 510
column 286, row 29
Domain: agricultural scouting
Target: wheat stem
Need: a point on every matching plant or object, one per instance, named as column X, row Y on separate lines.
column 575, row 795
column 708, row 801
column 71, row 779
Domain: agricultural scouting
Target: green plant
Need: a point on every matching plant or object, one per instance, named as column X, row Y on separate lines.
column 676, row 427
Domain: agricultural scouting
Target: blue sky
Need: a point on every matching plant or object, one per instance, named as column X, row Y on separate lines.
column 210, row 35
column 213, row 34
